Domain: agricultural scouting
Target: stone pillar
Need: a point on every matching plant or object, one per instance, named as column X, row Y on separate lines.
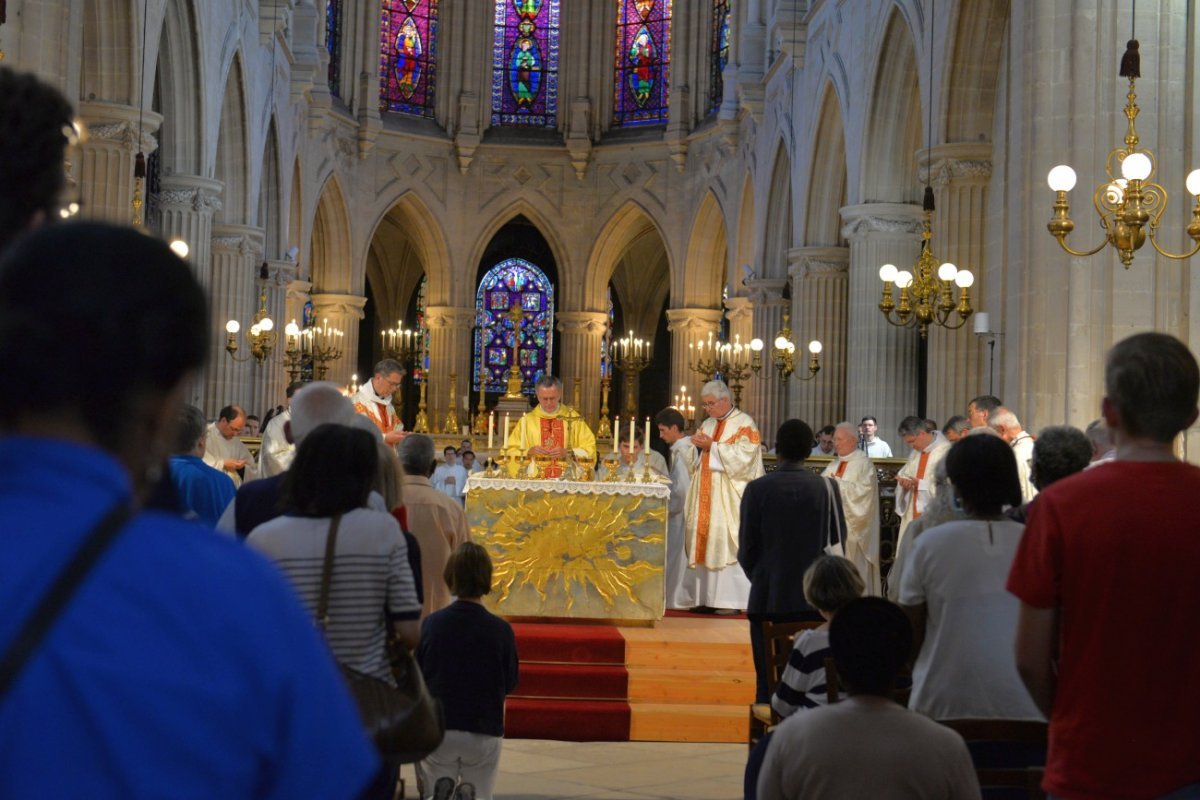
column 236, row 253
column 770, row 390
column 740, row 313
column 269, row 390
column 582, row 332
column 688, row 325
column 106, row 159
column 186, row 204
column 957, row 368
column 820, row 276
column 344, row 312
column 451, row 350
column 881, row 359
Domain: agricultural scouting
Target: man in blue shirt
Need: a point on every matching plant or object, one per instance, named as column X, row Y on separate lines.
column 183, row 665
column 203, row 492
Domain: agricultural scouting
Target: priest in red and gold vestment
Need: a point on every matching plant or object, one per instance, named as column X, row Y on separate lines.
column 374, row 400
column 552, row 429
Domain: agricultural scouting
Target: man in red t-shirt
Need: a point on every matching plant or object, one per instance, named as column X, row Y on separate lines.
column 1106, row 637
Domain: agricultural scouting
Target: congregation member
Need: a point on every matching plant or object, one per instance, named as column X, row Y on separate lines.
column 224, row 448
column 858, row 485
column 1059, row 451
column 955, row 428
column 469, row 660
column 728, row 455
column 672, row 429
column 953, row 592
column 552, row 429
column 438, row 522
column 203, row 492
column 914, row 485
column 277, row 451
column 873, row 446
column 314, row 404
column 944, row 507
column 1005, row 422
column 824, row 445
column 1102, row 576
column 1101, row 438
column 867, row 746
column 450, row 477
column 632, row 463
column 788, row 518
column 979, row 410
column 374, row 400
column 179, row 664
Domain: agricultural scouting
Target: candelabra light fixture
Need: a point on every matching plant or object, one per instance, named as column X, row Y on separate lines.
column 684, row 405
column 323, row 344
column 783, row 353
column 1130, row 203
column 293, row 360
column 631, row 355
column 732, row 361
column 261, row 335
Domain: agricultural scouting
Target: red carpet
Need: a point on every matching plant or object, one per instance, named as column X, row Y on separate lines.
column 573, row 684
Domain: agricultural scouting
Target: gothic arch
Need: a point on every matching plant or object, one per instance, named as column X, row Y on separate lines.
column 332, row 271
column 295, row 214
column 707, row 264
column 894, row 129
column 974, row 70
column 270, row 194
column 464, row 285
column 777, row 233
column 827, row 181
column 179, row 85
column 406, row 243
column 745, row 231
column 624, row 229
column 109, row 67
column 232, row 164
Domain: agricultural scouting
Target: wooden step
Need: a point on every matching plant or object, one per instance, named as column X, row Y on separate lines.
column 702, row 685
column 665, row 722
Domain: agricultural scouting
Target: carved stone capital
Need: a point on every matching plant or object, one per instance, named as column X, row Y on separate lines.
column 766, row 291
column 963, row 162
column 694, row 322
column 818, row 262
column 582, row 322
column 462, row 318
column 120, row 125
column 299, row 290
column 241, row 240
column 339, row 305
column 282, row 273
column 891, row 219
column 738, row 308
column 189, row 193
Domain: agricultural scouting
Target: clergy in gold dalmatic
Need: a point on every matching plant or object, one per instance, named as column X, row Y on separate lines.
column 728, row 456
column 859, row 486
column 552, row 429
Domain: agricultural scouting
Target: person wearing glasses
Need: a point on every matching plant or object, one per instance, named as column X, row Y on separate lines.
column 374, row 400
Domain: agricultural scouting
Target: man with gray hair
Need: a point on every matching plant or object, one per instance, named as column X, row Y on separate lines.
column 436, row 520
column 728, row 455
column 858, row 484
column 552, row 429
column 1101, row 438
column 374, row 400
column 914, row 482
column 203, row 492
column 1005, row 422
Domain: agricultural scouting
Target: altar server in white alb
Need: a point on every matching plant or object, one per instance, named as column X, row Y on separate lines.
column 859, row 487
column 224, row 448
column 914, row 482
column 728, row 456
column 374, row 400
column 672, row 427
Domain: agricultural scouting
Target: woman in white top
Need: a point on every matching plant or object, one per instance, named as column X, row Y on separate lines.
column 953, row 591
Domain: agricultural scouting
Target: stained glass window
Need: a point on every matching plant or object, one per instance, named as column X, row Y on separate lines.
column 525, row 63
column 408, row 56
column 333, row 43
column 719, row 53
column 514, row 281
column 643, row 61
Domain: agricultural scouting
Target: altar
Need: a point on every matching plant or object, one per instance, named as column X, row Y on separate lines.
column 572, row 550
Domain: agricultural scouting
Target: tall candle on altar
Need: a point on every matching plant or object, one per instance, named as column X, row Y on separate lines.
column 646, row 447
column 632, row 431
column 504, row 438
column 491, row 427
column 616, row 432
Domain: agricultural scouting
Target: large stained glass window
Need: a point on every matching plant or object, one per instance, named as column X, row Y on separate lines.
column 719, row 53
column 643, row 61
column 525, row 63
column 408, row 56
column 333, row 43
column 514, row 281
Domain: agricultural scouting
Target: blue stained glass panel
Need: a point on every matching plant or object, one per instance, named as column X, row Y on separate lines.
column 408, row 56
column 525, row 63
column 643, row 60
column 513, row 280
column 719, row 55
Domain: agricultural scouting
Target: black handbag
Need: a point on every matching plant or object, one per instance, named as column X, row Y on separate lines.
column 404, row 721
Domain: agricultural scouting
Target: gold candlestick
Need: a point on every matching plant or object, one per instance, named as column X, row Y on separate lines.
column 604, row 429
column 515, row 382
column 481, row 418
column 451, row 424
column 421, row 425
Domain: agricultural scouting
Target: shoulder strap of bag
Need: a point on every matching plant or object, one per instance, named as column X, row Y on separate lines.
column 327, row 573
column 59, row 594
column 837, row 522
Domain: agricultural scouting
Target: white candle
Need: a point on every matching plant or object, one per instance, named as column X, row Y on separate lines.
column 646, row 447
column 616, row 431
column 505, row 437
column 632, row 431
column 491, row 428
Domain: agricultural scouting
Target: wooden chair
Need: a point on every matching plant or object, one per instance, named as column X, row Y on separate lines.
column 1027, row 734
column 778, row 637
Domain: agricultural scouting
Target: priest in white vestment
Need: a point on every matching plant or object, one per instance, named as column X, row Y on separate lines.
column 915, row 487
column 374, row 400
column 859, row 486
column 671, row 427
column 276, row 453
column 1005, row 422
column 224, row 449
column 728, row 456
column 552, row 429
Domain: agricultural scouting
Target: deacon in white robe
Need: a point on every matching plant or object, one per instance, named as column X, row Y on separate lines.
column 915, row 487
column 671, row 425
column 1005, row 422
column 276, row 453
column 552, row 429
column 728, row 456
column 224, row 448
column 374, row 400
column 450, row 477
column 859, row 486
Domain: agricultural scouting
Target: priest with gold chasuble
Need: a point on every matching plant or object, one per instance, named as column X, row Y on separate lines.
column 553, row 430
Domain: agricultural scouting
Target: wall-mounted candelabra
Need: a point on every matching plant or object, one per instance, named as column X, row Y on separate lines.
column 729, row 361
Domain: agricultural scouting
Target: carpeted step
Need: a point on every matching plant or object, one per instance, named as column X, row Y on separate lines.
column 572, row 682
column 567, row 720
column 569, row 644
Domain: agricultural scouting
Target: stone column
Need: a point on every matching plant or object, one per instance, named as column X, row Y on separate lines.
column 740, row 313
column 957, row 368
column 688, row 325
column 186, row 204
column 770, row 391
column 106, row 159
column 269, row 390
column 820, row 276
column 881, row 359
column 451, row 350
column 582, row 332
column 344, row 312
column 236, row 253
